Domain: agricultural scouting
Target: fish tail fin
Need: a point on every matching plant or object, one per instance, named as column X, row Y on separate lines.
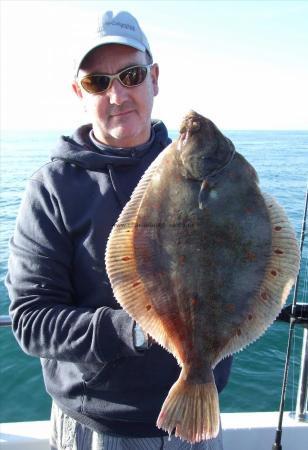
column 192, row 410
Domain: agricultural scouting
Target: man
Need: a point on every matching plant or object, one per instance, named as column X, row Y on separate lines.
column 106, row 382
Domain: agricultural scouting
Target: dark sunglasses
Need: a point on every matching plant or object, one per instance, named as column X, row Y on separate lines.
column 129, row 77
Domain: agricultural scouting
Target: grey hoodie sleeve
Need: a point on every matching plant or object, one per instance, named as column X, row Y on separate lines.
column 46, row 322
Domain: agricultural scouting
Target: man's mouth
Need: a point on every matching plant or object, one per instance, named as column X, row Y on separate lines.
column 121, row 113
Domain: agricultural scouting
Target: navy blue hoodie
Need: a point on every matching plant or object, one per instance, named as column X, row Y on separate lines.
column 62, row 305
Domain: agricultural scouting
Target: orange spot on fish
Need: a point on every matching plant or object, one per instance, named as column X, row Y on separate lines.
column 278, row 228
column 249, row 316
column 136, row 283
column 230, row 307
column 278, row 251
column 250, row 256
column 145, row 255
column 264, row 295
column 274, row 273
column 182, row 259
column 194, row 301
column 148, row 307
column 126, row 258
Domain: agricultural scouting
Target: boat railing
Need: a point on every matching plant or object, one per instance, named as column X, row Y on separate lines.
column 285, row 316
column 5, row 321
column 302, row 393
column 299, row 315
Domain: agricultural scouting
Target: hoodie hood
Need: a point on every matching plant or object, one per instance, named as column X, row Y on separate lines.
column 81, row 149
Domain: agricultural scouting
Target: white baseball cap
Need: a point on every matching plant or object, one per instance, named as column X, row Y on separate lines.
column 122, row 28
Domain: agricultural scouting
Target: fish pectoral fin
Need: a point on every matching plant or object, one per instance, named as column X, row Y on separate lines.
column 204, row 193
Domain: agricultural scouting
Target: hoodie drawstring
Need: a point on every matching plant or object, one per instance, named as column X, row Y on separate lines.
column 119, row 195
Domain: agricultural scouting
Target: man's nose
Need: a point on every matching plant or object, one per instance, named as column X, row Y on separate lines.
column 117, row 93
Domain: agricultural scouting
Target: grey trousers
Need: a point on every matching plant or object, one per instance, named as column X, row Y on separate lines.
column 67, row 434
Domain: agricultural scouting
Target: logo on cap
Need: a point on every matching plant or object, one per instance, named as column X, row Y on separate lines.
column 119, row 24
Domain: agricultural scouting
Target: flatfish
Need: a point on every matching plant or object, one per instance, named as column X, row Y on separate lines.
column 203, row 261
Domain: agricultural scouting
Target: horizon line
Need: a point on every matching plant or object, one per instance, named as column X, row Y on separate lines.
column 171, row 130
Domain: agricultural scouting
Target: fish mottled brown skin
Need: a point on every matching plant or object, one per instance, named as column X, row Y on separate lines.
column 215, row 242
column 209, row 261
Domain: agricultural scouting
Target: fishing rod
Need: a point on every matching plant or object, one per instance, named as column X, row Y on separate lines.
column 295, row 316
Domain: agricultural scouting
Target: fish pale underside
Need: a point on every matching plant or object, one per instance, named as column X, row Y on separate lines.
column 203, row 261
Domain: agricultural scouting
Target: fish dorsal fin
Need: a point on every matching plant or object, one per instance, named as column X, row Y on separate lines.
column 121, row 266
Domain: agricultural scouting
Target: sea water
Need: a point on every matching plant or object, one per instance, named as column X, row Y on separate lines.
column 281, row 160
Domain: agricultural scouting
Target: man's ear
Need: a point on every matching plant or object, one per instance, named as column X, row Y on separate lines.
column 154, row 77
column 76, row 89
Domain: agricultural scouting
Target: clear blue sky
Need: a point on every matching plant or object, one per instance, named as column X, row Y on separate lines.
column 244, row 64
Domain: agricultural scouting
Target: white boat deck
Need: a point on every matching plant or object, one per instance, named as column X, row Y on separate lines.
column 241, row 431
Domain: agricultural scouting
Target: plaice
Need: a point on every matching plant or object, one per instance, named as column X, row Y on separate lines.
column 203, row 261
